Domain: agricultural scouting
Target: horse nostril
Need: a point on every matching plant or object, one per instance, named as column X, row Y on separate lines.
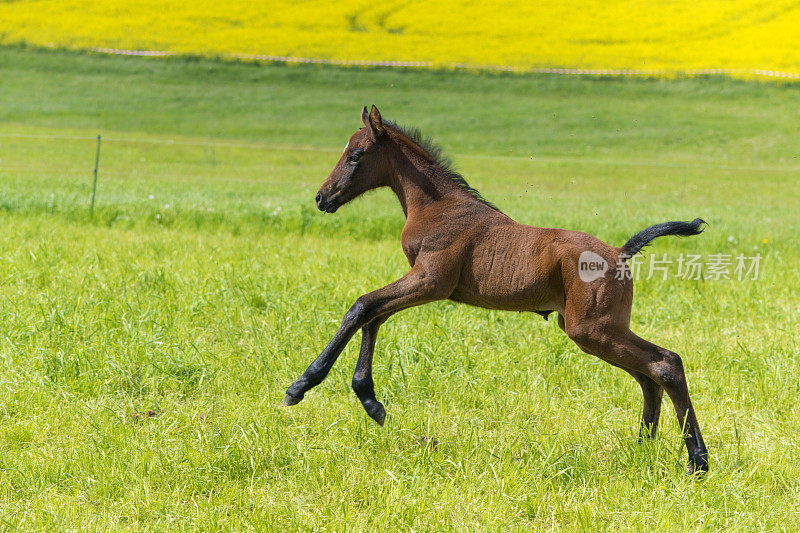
column 319, row 198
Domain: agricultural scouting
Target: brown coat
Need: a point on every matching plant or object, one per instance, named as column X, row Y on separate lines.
column 462, row 248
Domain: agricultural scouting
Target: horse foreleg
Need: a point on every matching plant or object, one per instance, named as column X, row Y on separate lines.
column 414, row 288
column 363, row 385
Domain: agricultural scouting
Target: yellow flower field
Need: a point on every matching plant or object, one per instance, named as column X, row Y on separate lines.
column 673, row 36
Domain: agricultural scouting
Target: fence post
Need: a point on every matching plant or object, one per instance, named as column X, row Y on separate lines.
column 94, row 183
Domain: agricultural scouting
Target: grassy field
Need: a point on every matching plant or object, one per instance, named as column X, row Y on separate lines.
column 670, row 37
column 144, row 351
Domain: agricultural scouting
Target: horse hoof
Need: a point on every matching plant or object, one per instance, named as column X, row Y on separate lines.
column 698, row 465
column 378, row 414
column 645, row 439
column 290, row 400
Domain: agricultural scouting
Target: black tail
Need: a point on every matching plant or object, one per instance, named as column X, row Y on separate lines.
column 643, row 238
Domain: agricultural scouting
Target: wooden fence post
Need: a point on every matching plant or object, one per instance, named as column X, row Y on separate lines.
column 94, row 183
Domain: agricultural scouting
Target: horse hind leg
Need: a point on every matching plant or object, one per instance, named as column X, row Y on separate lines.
column 652, row 394
column 665, row 368
column 651, row 411
column 625, row 349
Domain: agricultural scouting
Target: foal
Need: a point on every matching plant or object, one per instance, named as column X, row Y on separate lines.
column 464, row 249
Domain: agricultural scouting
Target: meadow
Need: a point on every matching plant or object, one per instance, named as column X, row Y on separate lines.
column 145, row 349
column 668, row 37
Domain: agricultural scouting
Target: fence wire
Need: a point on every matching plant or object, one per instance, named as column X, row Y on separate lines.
column 214, row 143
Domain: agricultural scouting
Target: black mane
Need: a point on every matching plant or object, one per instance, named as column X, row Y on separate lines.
column 434, row 151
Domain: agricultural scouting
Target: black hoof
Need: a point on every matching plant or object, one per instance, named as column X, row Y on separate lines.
column 645, row 438
column 647, row 433
column 698, row 464
column 377, row 413
column 291, row 400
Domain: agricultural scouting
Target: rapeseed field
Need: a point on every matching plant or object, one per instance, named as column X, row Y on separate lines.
column 740, row 36
column 145, row 347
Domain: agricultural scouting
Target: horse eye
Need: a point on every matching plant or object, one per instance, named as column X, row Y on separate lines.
column 355, row 156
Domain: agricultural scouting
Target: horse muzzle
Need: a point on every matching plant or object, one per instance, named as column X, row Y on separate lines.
column 328, row 204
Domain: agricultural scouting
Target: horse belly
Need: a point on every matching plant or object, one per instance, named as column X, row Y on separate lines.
column 510, row 286
column 531, row 300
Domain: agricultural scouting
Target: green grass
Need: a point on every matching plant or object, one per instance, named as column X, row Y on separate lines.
column 202, row 313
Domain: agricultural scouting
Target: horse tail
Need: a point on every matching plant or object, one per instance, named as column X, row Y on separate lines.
column 643, row 238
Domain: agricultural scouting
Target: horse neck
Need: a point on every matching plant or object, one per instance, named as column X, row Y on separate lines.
column 416, row 182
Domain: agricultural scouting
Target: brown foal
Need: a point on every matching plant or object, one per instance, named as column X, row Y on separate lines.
column 462, row 248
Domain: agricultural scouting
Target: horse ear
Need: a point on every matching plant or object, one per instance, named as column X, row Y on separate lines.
column 365, row 116
column 373, row 122
column 376, row 120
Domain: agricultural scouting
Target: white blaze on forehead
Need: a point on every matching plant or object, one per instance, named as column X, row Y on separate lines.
column 345, row 147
